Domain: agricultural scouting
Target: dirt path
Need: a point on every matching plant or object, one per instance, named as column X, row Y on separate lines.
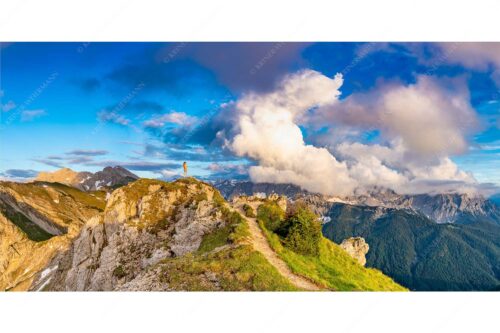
column 260, row 243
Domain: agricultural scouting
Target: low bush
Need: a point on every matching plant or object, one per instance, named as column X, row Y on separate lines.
column 271, row 215
column 119, row 272
column 299, row 231
column 304, row 232
column 249, row 212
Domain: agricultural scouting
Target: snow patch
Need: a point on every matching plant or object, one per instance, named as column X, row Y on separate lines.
column 98, row 183
column 46, row 282
column 47, row 271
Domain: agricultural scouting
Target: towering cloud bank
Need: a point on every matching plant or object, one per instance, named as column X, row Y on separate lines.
column 269, row 134
column 431, row 119
column 420, row 126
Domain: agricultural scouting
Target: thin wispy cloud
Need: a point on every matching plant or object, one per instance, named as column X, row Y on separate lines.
column 49, row 162
column 113, row 117
column 30, row 115
column 87, row 152
column 19, row 173
column 178, row 118
column 137, row 166
column 10, row 105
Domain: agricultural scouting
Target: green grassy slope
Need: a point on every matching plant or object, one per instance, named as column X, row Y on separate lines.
column 332, row 268
column 95, row 199
column 237, row 268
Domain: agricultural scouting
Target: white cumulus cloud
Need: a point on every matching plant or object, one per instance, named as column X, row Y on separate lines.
column 269, row 134
column 429, row 118
column 422, row 124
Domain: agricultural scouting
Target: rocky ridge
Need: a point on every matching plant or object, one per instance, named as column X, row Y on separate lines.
column 143, row 223
column 37, row 220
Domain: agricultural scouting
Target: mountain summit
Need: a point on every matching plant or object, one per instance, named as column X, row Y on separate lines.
column 64, row 176
column 109, row 177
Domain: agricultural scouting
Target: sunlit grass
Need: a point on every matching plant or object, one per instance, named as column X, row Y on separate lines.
column 333, row 268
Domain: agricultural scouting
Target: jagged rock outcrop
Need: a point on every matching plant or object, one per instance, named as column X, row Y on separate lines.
column 108, row 178
column 357, row 248
column 37, row 220
column 439, row 207
column 143, row 223
column 280, row 200
column 450, row 208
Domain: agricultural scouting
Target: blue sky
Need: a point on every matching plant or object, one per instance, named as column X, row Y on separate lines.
column 150, row 106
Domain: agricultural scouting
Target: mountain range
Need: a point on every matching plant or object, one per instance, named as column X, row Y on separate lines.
column 154, row 235
column 111, row 230
column 108, row 178
column 441, row 208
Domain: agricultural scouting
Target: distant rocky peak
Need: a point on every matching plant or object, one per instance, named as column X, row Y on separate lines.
column 118, row 170
column 64, row 176
column 109, row 177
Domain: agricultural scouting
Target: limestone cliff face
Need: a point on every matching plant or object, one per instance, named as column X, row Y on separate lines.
column 357, row 248
column 37, row 220
column 143, row 223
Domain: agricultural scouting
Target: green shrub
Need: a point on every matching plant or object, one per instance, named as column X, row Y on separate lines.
column 218, row 199
column 201, row 196
column 215, row 239
column 119, row 272
column 271, row 215
column 233, row 231
column 249, row 212
column 304, row 232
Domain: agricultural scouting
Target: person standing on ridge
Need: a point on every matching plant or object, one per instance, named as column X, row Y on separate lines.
column 185, row 166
